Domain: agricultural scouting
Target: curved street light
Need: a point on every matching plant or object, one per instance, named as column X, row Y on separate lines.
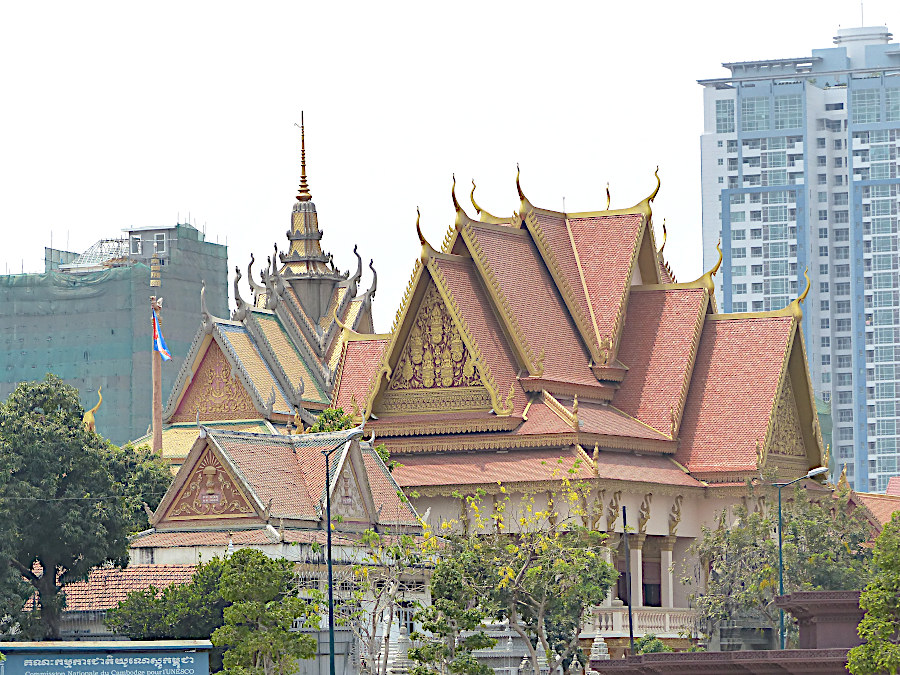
column 812, row 473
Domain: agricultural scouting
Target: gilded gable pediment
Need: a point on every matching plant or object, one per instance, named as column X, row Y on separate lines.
column 436, row 371
column 214, row 393
column 209, row 492
column 787, row 437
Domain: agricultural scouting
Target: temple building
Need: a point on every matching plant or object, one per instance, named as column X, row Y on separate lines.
column 551, row 347
column 271, row 366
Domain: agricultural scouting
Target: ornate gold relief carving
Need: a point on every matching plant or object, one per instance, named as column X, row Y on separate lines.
column 612, row 512
column 214, row 393
column 787, row 438
column 210, row 492
column 435, row 355
column 675, row 516
column 644, row 513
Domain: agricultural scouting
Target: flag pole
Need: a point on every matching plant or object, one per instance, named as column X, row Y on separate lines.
column 155, row 356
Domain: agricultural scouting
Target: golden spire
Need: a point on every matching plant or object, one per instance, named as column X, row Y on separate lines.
column 707, row 279
column 795, row 309
column 808, row 284
column 303, row 194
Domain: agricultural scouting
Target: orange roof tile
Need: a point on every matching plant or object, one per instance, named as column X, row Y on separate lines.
column 893, row 486
column 661, row 332
column 106, row 587
column 537, row 304
column 484, row 467
column 254, row 365
column 881, row 506
column 357, row 367
column 732, row 393
column 642, row 469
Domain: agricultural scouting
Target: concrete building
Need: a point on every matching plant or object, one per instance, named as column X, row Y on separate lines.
column 86, row 319
column 800, row 170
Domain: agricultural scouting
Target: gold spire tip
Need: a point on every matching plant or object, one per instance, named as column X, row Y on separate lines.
column 303, row 193
column 518, row 185
column 456, row 205
column 664, row 237
column 608, row 198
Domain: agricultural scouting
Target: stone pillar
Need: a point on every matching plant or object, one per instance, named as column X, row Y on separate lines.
column 636, row 545
column 666, row 546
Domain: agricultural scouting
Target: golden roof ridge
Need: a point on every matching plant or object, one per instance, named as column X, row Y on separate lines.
column 484, row 216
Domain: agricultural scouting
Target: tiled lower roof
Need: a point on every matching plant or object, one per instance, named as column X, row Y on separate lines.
column 882, row 507
column 106, row 587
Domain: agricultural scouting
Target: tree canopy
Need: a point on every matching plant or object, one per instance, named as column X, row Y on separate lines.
column 880, row 627
column 823, row 546
column 68, row 500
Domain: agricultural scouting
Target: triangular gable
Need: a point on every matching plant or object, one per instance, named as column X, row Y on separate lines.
column 212, row 391
column 794, row 438
column 351, row 496
column 205, row 488
column 435, row 370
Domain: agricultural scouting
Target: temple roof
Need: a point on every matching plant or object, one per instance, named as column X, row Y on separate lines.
column 576, row 335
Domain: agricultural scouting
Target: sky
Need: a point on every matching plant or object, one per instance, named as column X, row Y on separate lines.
column 114, row 115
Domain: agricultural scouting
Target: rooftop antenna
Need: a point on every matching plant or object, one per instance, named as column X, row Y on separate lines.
column 862, row 16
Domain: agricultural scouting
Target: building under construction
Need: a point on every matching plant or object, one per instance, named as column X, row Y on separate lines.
column 86, row 319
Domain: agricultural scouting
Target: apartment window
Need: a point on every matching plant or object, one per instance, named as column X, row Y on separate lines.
column 788, row 111
column 843, row 343
column 823, row 270
column 135, row 245
column 823, row 251
column 838, row 162
column 822, row 179
column 756, row 270
column 838, row 144
column 725, row 116
column 846, row 452
column 721, row 180
column 757, row 287
column 844, row 433
column 758, row 306
column 738, row 216
column 821, row 160
column 739, row 235
column 892, row 105
column 820, row 143
column 755, row 113
column 719, row 145
column 826, row 342
column 842, row 234
column 739, row 289
column 739, row 307
column 720, row 161
column 739, row 271
column 845, row 397
column 834, row 106
column 739, row 252
column 823, row 215
column 845, row 380
column 842, row 306
column 159, row 242
column 732, row 146
column 756, row 251
column 842, row 253
column 845, row 415
column 823, row 305
column 823, row 197
column 842, row 325
column 826, row 378
column 823, row 232
column 841, row 217
column 824, row 324
column 826, row 359
column 756, row 233
column 865, row 106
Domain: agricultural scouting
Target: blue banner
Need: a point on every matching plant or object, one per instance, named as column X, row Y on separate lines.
column 56, row 661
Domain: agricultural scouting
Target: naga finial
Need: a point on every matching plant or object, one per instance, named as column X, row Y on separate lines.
column 608, row 197
column 88, row 420
column 658, row 183
column 456, row 205
column 795, row 306
column 303, row 193
column 472, row 199
column 664, row 238
column 427, row 250
column 371, row 291
column 808, row 284
column 518, row 185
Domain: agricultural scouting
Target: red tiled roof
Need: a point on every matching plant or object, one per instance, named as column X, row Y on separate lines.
column 642, row 469
column 893, row 486
column 606, row 246
column 538, row 307
column 599, row 418
column 106, row 587
column 657, row 345
column 358, row 364
column 219, row 538
column 386, row 492
column 542, row 420
column 732, row 393
column 881, row 506
column 485, row 467
column 484, row 327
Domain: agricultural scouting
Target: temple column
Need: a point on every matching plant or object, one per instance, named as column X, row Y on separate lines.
column 667, row 574
column 636, row 546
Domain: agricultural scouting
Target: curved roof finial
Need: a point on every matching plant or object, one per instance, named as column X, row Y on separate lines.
column 241, row 312
column 338, row 321
column 808, row 285
column 518, row 185
column 608, row 198
column 303, row 193
column 472, row 199
column 371, row 291
column 456, row 205
column 658, row 183
column 484, row 215
column 718, row 264
column 356, row 277
column 664, row 238
column 426, row 247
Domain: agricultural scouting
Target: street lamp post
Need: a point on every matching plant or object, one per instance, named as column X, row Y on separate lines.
column 810, row 474
column 327, row 453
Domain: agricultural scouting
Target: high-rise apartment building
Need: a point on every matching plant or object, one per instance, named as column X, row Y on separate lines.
column 800, row 171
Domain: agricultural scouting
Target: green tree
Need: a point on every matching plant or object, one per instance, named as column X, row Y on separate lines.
column 190, row 611
column 542, row 574
column 64, row 505
column 650, row 644
column 823, row 547
column 141, row 477
column 880, row 627
column 257, row 633
column 331, row 419
column 452, row 624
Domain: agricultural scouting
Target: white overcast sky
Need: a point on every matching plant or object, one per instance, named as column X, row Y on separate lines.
column 130, row 114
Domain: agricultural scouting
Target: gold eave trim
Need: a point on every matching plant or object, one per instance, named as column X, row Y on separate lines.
column 367, row 337
column 615, row 373
column 413, row 445
column 384, row 427
column 603, row 392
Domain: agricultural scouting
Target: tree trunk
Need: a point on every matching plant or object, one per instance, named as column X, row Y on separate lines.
column 49, row 600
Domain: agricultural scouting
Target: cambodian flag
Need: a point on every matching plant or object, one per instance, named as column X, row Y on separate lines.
column 159, row 342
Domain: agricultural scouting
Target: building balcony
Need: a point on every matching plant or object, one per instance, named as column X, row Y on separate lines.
column 668, row 622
